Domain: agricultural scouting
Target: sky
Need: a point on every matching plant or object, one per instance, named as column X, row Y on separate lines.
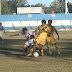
column 46, row 2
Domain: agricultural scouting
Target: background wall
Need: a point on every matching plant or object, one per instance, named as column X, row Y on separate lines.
column 60, row 21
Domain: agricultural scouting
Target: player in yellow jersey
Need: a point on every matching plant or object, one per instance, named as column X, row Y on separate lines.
column 41, row 38
column 50, row 37
column 38, row 31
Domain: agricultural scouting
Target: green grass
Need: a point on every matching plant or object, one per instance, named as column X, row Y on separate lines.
column 13, row 59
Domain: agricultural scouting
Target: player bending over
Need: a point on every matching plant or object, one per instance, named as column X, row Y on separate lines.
column 50, row 37
column 1, row 31
column 41, row 38
column 38, row 31
column 30, row 38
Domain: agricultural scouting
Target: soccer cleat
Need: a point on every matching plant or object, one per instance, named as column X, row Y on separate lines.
column 50, row 52
column 59, row 52
column 29, row 55
column 41, row 54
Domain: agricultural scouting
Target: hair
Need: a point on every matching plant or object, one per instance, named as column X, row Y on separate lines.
column 43, row 21
column 50, row 20
column 25, row 29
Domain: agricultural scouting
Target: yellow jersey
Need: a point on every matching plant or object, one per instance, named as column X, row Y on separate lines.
column 53, row 29
column 41, row 28
column 43, row 35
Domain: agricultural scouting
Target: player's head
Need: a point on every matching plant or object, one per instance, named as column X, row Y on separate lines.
column 50, row 22
column 0, row 24
column 43, row 22
column 25, row 30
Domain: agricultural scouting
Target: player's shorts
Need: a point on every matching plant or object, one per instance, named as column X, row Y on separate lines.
column 41, row 38
column 1, row 32
column 51, row 39
column 30, row 42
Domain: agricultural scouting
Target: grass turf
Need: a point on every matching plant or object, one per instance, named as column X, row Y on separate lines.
column 13, row 59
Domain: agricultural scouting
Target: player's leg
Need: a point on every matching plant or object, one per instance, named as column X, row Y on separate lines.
column 57, row 48
column 1, row 36
column 25, row 47
column 41, row 50
column 48, row 45
column 33, row 48
column 32, row 43
column 53, row 41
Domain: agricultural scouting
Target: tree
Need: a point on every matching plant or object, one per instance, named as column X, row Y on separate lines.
column 10, row 6
column 47, row 10
column 21, row 2
column 58, row 6
column 70, row 7
column 61, row 1
column 4, row 7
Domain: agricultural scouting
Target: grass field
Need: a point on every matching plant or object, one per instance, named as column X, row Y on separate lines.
column 13, row 59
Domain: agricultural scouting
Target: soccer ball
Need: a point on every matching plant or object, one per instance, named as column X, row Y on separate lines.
column 35, row 54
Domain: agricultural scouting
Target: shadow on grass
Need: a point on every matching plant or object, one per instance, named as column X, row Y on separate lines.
column 12, row 50
column 7, row 50
column 66, row 49
column 11, row 54
column 64, row 53
column 14, row 41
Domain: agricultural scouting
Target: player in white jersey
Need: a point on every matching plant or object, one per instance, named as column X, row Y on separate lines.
column 1, row 31
column 30, row 38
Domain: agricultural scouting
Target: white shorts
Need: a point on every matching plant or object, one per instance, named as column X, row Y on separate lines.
column 30, row 42
column 1, row 32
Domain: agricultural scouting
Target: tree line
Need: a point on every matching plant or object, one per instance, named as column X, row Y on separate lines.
column 10, row 6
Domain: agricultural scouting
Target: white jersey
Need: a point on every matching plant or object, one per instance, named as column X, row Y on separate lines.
column 1, row 28
column 29, row 35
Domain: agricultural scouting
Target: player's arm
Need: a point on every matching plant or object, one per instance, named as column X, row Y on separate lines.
column 36, row 31
column 14, row 35
column 56, row 32
column 21, row 33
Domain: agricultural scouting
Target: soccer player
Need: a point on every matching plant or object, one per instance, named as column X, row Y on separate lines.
column 30, row 38
column 40, row 30
column 42, row 37
column 1, row 31
column 50, row 37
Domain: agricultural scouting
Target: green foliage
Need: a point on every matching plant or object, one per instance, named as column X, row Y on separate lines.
column 70, row 7
column 4, row 8
column 58, row 6
column 21, row 2
column 47, row 10
column 10, row 6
